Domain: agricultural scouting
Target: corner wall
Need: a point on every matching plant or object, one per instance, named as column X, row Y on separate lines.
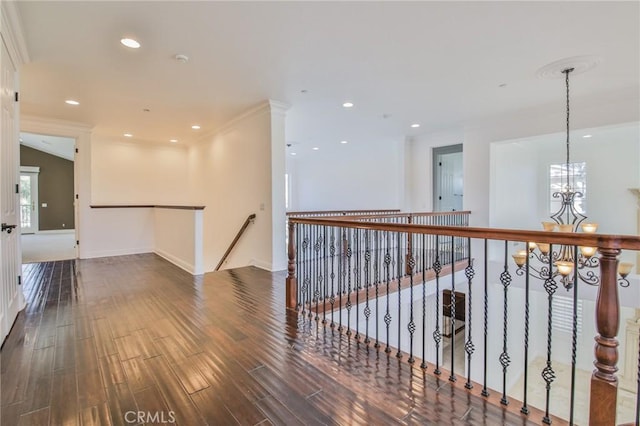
column 239, row 171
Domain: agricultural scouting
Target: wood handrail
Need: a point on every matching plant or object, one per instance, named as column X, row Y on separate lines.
column 145, row 206
column 418, row 214
column 627, row 242
column 342, row 212
column 235, row 240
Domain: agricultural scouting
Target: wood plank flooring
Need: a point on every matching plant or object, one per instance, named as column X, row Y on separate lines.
column 135, row 340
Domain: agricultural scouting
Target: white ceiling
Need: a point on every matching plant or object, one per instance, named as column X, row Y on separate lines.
column 435, row 63
column 55, row 145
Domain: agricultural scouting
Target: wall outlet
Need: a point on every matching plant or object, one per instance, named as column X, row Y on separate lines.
column 44, row 204
column 63, row 225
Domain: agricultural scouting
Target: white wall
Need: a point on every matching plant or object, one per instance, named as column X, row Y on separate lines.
column 520, row 169
column 178, row 237
column 419, row 177
column 237, row 171
column 130, row 172
column 348, row 177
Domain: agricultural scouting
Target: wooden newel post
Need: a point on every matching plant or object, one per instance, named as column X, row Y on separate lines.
column 291, row 284
column 604, row 382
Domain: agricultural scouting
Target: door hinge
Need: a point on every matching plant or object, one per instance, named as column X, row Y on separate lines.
column 76, row 150
column 440, row 164
column 76, row 196
column 19, row 280
column 440, row 197
column 17, row 188
column 77, row 242
column 17, row 97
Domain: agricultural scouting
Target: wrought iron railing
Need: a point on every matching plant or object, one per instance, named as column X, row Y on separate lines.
column 380, row 280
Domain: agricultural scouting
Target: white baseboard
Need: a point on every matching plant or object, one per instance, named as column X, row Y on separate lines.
column 57, row 231
column 176, row 261
column 261, row 264
column 119, row 252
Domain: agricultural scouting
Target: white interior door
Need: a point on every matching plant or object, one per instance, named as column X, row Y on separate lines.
column 12, row 300
column 29, row 200
column 448, row 182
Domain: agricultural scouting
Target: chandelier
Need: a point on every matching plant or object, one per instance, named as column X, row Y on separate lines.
column 551, row 263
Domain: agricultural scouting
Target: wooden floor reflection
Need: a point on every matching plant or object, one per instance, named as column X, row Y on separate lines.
column 135, row 340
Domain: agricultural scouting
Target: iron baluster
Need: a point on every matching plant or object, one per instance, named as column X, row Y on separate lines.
column 305, row 280
column 367, row 283
column 318, row 263
column 340, row 277
column 411, row 263
column 357, row 280
column 325, row 262
column 505, row 279
column 525, row 409
column 437, row 335
column 485, row 391
column 299, row 272
column 452, row 311
column 399, row 265
column 387, row 315
column 377, row 284
column 349, row 254
column 332, row 252
column 548, row 374
column 574, row 336
column 468, row 346
column 423, row 365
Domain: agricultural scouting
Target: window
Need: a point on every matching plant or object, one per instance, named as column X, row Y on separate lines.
column 577, row 173
column 562, row 314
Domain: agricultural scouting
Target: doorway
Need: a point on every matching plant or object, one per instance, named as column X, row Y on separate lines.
column 447, row 178
column 47, row 197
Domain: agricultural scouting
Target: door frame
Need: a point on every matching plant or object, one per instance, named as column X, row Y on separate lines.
column 437, row 152
column 32, row 171
column 82, row 160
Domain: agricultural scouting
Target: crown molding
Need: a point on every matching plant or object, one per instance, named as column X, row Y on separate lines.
column 269, row 105
column 42, row 125
column 12, row 33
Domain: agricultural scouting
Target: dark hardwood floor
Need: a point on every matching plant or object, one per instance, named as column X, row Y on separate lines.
column 134, row 339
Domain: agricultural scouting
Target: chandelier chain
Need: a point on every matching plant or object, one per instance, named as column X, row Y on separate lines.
column 566, row 73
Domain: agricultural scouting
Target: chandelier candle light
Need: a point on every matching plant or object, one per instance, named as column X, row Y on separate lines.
column 566, row 219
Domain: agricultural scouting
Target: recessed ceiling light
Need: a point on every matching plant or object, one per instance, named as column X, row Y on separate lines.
column 587, row 136
column 343, row 142
column 128, row 135
column 129, row 42
column 315, row 148
column 347, row 104
column 415, row 125
column 293, row 153
column 195, row 127
column 71, row 102
column 173, row 140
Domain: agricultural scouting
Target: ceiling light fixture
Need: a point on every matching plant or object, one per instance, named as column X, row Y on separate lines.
column 71, row 102
column 195, row 127
column 173, row 140
column 128, row 135
column 587, row 136
column 343, row 142
column 415, row 125
column 293, row 153
column 569, row 262
column 315, row 148
column 347, row 104
column 131, row 43
column 183, row 59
